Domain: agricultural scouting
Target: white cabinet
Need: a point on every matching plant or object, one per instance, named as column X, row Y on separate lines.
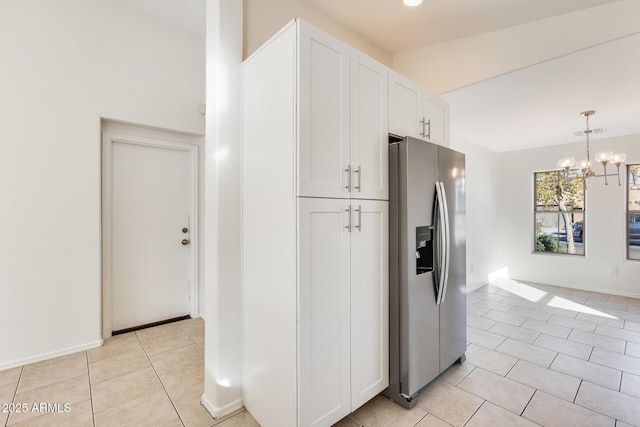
column 325, row 149
column 343, row 122
column 343, row 297
column 369, row 300
column 324, row 322
column 314, row 252
column 369, row 128
column 413, row 111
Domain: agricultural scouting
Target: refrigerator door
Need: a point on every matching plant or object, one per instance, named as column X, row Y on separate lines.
column 417, row 171
column 453, row 309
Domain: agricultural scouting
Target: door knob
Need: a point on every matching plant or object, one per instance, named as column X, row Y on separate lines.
column 185, row 242
column 185, row 230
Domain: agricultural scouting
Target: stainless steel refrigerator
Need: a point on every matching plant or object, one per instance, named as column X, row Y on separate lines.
column 427, row 265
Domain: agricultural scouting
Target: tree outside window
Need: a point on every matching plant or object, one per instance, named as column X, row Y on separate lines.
column 559, row 214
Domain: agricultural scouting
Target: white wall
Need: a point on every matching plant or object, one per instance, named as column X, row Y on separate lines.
column 482, row 211
column 66, row 64
column 604, row 225
column 262, row 19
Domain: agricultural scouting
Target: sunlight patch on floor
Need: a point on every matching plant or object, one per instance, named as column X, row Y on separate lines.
column 520, row 289
column 563, row 303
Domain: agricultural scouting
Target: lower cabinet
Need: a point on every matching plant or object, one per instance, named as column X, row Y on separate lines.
column 343, row 306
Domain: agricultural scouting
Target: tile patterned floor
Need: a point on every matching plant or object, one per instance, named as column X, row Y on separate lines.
column 536, row 355
column 152, row 377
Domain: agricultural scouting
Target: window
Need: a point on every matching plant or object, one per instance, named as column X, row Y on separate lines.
column 559, row 212
column 633, row 212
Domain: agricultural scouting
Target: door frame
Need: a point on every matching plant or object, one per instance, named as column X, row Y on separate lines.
column 108, row 138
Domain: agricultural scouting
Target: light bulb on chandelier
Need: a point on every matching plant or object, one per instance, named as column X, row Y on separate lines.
column 604, row 157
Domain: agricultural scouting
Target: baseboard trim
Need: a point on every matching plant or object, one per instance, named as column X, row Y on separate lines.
column 476, row 286
column 51, row 355
column 220, row 412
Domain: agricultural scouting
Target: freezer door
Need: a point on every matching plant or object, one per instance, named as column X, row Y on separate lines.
column 418, row 313
column 453, row 310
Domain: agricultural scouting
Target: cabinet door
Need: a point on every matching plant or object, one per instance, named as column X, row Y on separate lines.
column 323, row 115
column 405, row 106
column 369, row 128
column 436, row 112
column 324, row 305
column 369, row 300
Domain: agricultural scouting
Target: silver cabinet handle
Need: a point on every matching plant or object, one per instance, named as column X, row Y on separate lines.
column 425, row 123
column 348, row 171
column 359, row 172
column 359, row 210
column 348, row 211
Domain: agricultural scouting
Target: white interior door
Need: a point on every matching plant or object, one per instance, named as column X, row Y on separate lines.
column 150, row 233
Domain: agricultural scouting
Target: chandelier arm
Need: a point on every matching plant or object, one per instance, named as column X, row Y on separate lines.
column 618, row 167
column 603, row 158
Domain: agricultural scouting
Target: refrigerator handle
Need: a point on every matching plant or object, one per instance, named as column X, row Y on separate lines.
column 441, row 242
column 447, row 246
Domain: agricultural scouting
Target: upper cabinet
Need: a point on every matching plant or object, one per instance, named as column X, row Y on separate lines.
column 413, row 111
column 323, row 115
column 369, row 128
column 343, row 123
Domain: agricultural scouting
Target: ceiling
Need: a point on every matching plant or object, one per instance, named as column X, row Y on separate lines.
column 535, row 106
column 541, row 105
column 398, row 28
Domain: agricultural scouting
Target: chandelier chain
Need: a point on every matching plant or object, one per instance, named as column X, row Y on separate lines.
column 605, row 158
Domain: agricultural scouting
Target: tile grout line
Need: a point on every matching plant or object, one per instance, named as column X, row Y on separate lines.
column 160, row 380
column 591, row 409
column 93, row 414
column 554, row 359
column 525, row 406
column 15, row 393
column 475, row 412
column 577, row 391
column 418, row 422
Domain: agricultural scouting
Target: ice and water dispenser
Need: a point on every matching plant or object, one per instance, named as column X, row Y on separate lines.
column 424, row 249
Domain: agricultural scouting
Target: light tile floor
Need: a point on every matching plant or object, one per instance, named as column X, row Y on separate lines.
column 536, row 355
column 152, row 377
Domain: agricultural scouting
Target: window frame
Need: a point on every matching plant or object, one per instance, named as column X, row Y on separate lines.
column 561, row 174
column 628, row 212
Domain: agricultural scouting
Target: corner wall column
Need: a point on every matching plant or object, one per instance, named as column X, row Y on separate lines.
column 222, row 359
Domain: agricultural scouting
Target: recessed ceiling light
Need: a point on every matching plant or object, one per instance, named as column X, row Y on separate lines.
column 412, row 2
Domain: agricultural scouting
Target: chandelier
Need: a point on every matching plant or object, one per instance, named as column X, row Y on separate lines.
column 604, row 157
